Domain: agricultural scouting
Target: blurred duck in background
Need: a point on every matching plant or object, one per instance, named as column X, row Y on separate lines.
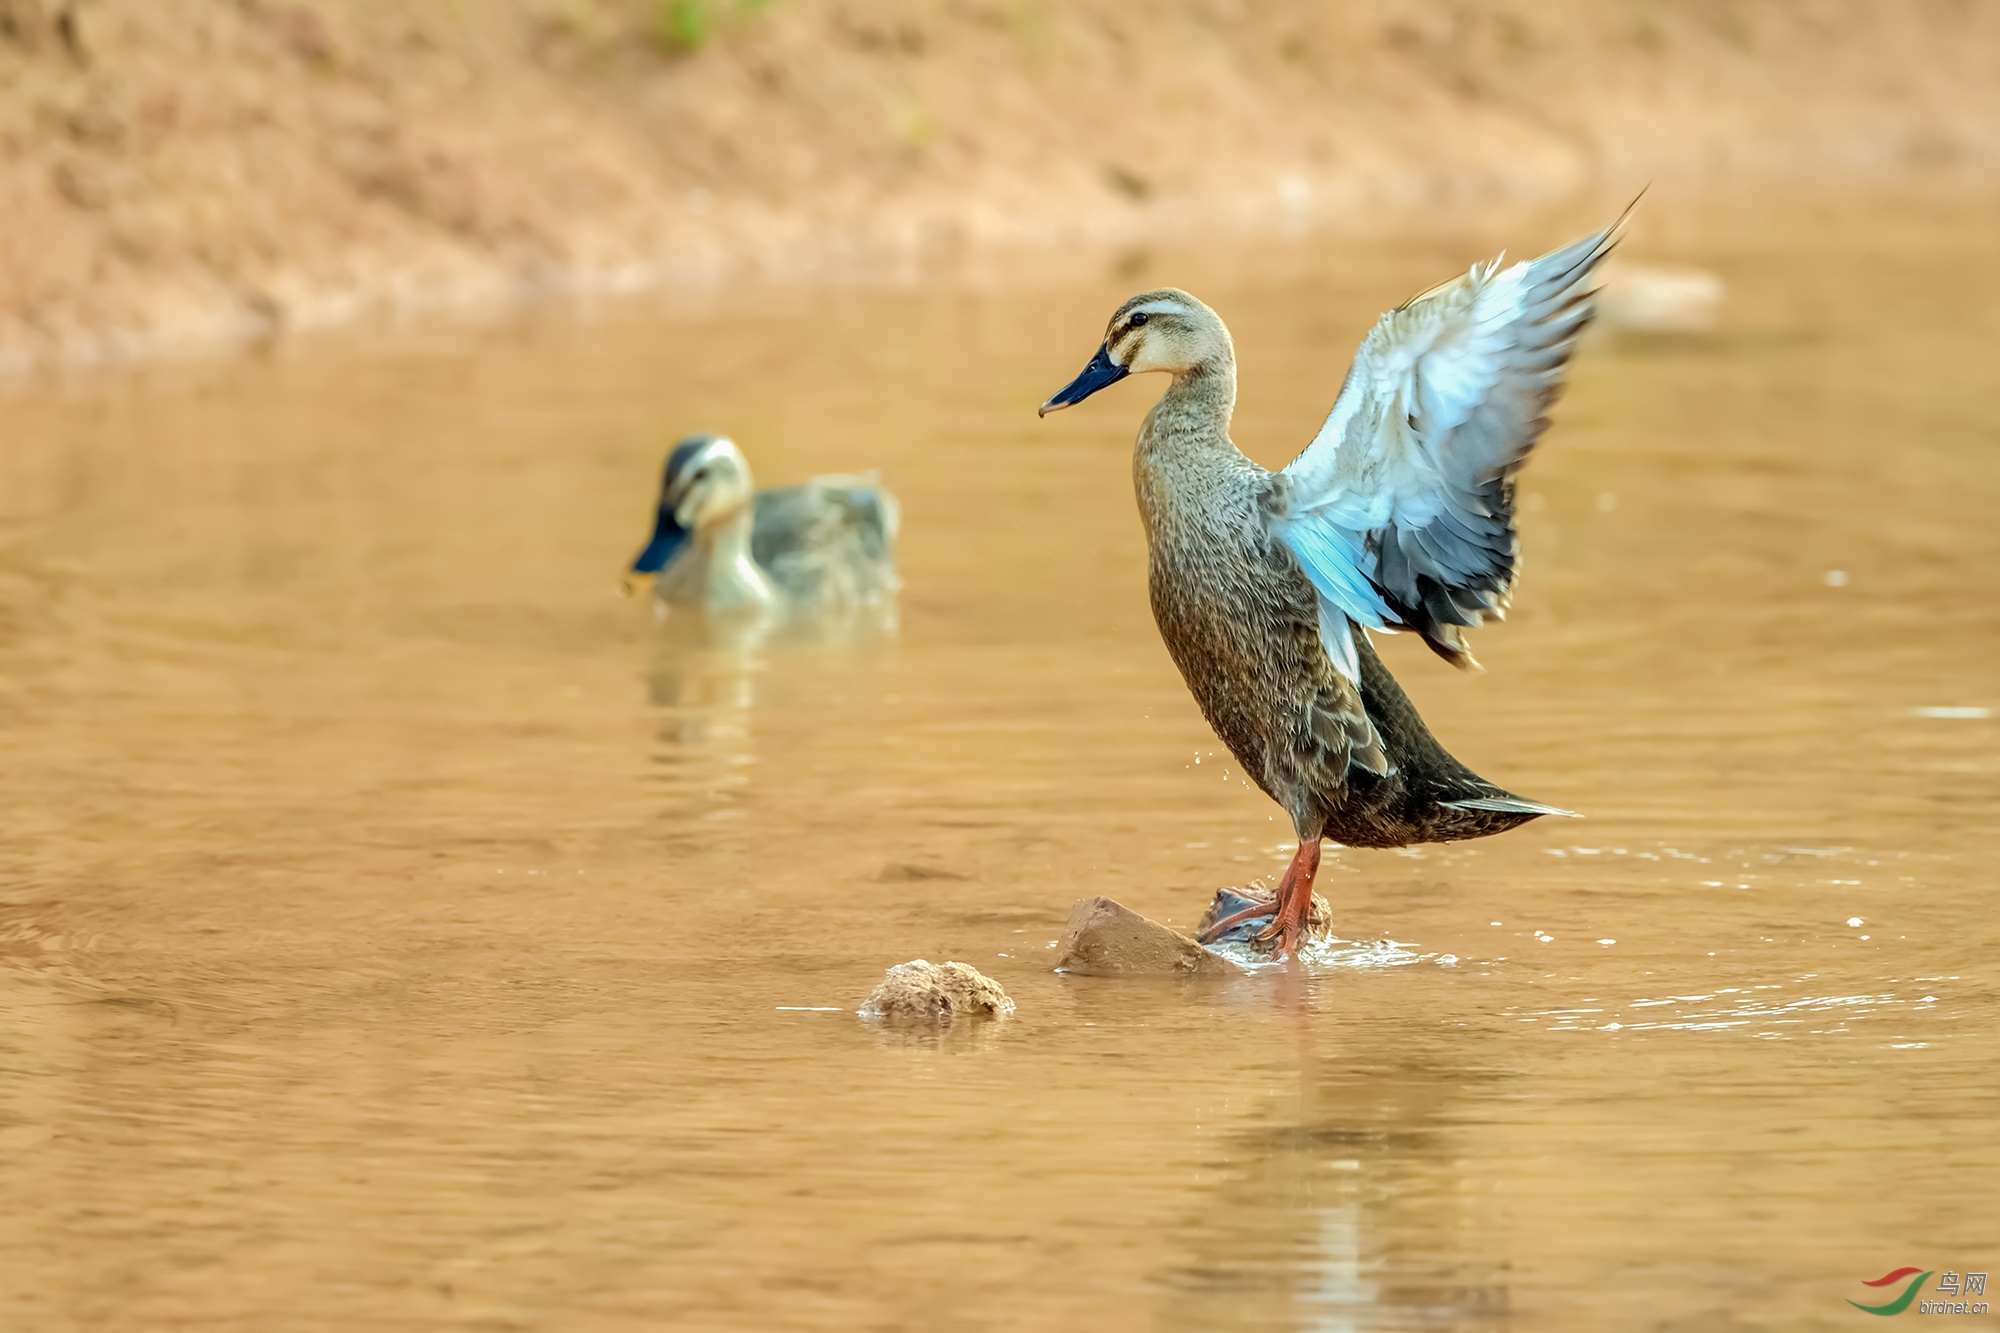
column 720, row 545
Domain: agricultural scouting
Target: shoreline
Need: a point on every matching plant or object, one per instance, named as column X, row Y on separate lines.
column 193, row 181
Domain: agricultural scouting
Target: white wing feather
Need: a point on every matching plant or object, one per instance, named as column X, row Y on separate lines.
column 1401, row 509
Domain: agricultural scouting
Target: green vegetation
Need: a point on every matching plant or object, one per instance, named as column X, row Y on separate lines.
column 909, row 119
column 682, row 27
column 1031, row 27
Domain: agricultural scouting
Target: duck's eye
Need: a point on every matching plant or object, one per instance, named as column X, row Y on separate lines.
column 1139, row 320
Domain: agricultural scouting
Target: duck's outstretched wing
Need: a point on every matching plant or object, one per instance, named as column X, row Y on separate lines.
column 1401, row 510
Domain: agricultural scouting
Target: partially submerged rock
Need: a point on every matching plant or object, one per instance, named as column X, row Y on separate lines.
column 1108, row 939
column 936, row 993
column 1319, row 920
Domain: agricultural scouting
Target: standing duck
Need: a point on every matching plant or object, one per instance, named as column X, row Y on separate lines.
column 1398, row 516
column 720, row 545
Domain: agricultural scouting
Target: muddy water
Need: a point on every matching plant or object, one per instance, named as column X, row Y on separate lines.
column 398, row 930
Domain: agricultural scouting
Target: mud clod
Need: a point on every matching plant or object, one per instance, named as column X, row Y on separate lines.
column 936, row 994
column 1108, row 939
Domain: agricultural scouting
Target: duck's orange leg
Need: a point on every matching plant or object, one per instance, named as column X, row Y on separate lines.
column 1290, row 904
column 1294, row 907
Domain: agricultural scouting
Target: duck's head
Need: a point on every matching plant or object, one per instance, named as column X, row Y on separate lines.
column 1164, row 330
column 707, row 483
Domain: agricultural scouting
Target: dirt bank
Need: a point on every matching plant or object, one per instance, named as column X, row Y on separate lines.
column 186, row 172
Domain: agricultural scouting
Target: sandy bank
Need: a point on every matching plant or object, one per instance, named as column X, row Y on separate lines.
column 186, row 173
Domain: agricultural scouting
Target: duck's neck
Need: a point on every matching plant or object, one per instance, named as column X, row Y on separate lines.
column 718, row 570
column 1194, row 412
column 1185, row 466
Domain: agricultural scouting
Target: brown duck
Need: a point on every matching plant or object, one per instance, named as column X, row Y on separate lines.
column 1398, row 516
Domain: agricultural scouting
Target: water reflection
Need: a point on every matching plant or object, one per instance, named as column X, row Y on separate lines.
column 703, row 669
column 1339, row 1206
column 709, row 669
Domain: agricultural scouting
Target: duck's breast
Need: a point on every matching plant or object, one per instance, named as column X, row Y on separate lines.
column 1237, row 616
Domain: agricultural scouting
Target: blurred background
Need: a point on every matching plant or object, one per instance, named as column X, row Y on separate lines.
column 400, row 930
column 184, row 173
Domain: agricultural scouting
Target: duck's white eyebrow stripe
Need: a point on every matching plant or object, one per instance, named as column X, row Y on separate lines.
column 717, row 446
column 1163, row 306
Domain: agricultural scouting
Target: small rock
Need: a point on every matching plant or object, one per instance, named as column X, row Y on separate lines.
column 1109, row 939
column 1319, row 920
column 936, row 993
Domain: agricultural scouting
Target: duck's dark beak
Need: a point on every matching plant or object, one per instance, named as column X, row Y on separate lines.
column 1101, row 372
column 668, row 538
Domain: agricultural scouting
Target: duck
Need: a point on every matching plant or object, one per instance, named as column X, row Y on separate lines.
column 1399, row 515
column 720, row 544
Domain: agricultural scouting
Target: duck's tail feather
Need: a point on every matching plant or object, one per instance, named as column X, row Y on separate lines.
column 1508, row 805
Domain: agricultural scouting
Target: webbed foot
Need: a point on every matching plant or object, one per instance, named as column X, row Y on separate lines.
column 1288, row 908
